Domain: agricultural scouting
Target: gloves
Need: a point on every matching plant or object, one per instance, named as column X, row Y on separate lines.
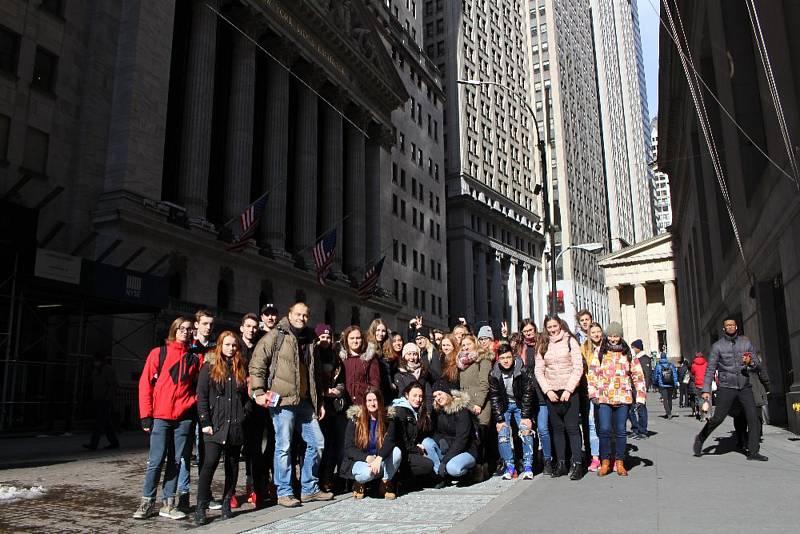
column 147, row 423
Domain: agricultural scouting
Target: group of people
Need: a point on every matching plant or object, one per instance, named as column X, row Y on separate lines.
column 376, row 409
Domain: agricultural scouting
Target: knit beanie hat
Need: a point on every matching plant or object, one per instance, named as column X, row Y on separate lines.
column 637, row 344
column 442, row 385
column 486, row 331
column 410, row 347
column 322, row 328
column 614, row 329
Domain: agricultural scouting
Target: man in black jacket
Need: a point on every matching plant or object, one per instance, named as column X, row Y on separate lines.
column 733, row 358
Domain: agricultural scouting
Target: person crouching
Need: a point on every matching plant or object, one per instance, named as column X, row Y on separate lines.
column 369, row 450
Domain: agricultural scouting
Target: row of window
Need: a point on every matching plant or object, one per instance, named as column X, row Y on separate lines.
column 400, row 255
column 506, row 237
column 416, row 115
column 44, row 67
column 37, row 142
column 420, row 298
column 417, row 220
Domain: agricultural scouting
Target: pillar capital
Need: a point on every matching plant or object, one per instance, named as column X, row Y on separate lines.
column 498, row 256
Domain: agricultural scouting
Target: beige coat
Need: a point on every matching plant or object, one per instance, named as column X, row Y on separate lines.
column 561, row 367
column 474, row 381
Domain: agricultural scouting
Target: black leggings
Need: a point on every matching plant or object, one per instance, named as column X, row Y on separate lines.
column 213, row 452
column 564, row 416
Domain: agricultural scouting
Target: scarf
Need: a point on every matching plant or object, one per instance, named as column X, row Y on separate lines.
column 465, row 359
column 558, row 337
column 414, row 367
column 615, row 348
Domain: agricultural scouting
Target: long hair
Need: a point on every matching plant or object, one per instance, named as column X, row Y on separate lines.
column 362, row 424
column 173, row 328
column 219, row 371
column 343, row 339
column 373, row 326
column 449, row 367
column 605, row 346
column 544, row 337
column 423, row 418
column 389, row 353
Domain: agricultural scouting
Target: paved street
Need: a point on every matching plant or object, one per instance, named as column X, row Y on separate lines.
column 668, row 491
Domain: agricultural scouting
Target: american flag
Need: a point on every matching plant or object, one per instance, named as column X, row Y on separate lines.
column 248, row 222
column 371, row 277
column 323, row 253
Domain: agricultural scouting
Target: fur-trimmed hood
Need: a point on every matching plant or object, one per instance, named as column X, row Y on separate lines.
column 373, row 351
column 354, row 412
column 460, row 400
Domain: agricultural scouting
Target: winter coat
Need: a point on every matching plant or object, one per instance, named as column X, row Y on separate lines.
column 699, row 366
column 561, row 367
column 361, row 372
column 612, row 380
column 761, row 386
column 222, row 406
column 352, row 453
column 387, row 370
column 474, row 382
column 287, row 380
column 523, row 385
column 407, row 432
column 331, row 376
column 683, row 368
column 174, row 395
column 665, row 365
column 725, row 359
column 647, row 367
column 453, row 430
column 432, row 360
column 403, row 377
column 528, row 355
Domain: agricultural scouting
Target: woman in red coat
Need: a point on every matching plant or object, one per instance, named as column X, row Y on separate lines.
column 699, row 366
column 361, row 367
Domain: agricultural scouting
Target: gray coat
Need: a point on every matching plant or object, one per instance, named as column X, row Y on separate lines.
column 725, row 359
column 761, row 386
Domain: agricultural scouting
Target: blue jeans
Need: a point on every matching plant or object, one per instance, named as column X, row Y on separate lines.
column 594, row 441
column 543, row 426
column 505, row 439
column 284, row 418
column 637, row 414
column 169, row 440
column 612, row 417
column 458, row 466
column 363, row 474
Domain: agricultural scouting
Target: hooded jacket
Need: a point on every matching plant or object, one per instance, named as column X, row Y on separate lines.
column 353, row 453
column 665, row 365
column 453, row 430
column 725, row 359
column 222, row 406
column 699, row 366
column 174, row 395
column 524, row 386
column 408, row 435
column 361, row 372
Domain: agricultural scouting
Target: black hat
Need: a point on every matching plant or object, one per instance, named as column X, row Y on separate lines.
column 269, row 309
column 422, row 331
column 442, row 385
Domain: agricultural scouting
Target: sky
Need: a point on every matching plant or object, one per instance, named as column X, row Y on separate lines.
column 649, row 29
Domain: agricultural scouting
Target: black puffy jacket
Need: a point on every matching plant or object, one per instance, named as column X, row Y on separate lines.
column 352, row 453
column 524, row 387
column 454, row 429
column 222, row 406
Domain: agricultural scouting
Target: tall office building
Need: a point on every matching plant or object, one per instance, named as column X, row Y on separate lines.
column 662, row 201
column 625, row 121
column 494, row 252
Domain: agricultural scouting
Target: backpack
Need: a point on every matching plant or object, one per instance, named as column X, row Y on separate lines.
column 666, row 376
column 273, row 361
column 162, row 355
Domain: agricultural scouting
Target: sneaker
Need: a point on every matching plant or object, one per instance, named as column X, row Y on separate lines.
column 643, row 436
column 595, row 465
column 288, row 501
column 169, row 509
column 147, row 508
column 252, row 498
column 527, row 474
column 318, row 496
column 510, row 473
column 697, row 446
column 757, row 457
column 214, row 504
column 234, row 502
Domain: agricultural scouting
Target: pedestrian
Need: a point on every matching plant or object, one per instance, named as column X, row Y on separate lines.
column 459, row 331
column 486, row 342
column 428, row 353
column 254, row 424
column 559, row 368
column 667, row 381
column 361, row 368
column 637, row 413
column 335, row 402
column 452, row 448
column 761, row 386
column 377, row 341
column 411, row 370
column 289, row 388
column 474, row 364
column 699, row 366
column 369, row 446
column 104, row 389
column 393, row 351
column 584, row 319
column 269, row 317
column 530, row 336
column 645, row 360
column 734, row 360
column 222, row 405
column 683, row 382
column 168, row 409
column 412, row 426
column 450, row 350
column 437, row 336
column 613, row 375
column 512, row 394
column 588, row 414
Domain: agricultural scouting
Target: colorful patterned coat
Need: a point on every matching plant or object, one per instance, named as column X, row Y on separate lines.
column 612, row 381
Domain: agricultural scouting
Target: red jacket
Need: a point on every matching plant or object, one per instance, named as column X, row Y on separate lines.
column 174, row 393
column 699, row 366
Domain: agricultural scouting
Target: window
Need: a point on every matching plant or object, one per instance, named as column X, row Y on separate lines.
column 44, row 70
column 395, row 250
column 5, row 126
column 422, row 263
column 423, row 298
column 36, row 146
column 414, row 218
column 402, row 142
column 394, row 204
column 403, row 209
column 416, row 260
column 403, row 254
column 403, row 179
column 433, row 270
column 404, row 294
column 396, row 289
column 55, row 7
column 414, row 187
column 416, row 298
column 439, row 275
column 394, row 173
column 9, row 51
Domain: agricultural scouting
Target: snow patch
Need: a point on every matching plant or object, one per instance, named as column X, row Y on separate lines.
column 13, row 493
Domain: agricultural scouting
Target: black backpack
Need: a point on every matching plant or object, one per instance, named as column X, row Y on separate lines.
column 666, row 376
column 162, row 355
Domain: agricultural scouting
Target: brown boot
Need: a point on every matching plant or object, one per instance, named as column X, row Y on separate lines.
column 605, row 468
column 358, row 490
column 619, row 467
column 387, row 490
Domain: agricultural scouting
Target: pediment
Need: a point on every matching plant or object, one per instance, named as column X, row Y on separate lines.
column 655, row 248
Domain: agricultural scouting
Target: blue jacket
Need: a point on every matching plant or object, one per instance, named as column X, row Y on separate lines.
column 664, row 364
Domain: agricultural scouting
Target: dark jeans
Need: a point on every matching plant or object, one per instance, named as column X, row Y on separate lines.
column 333, row 426
column 666, row 399
column 612, row 420
column 102, row 424
column 637, row 414
column 213, row 452
column 684, row 393
column 255, row 467
column 740, row 422
column 564, row 417
column 725, row 400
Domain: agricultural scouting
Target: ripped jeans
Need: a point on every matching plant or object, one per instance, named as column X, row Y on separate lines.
column 505, row 438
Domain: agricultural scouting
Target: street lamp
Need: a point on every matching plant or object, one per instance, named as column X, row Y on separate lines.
column 549, row 229
column 588, row 247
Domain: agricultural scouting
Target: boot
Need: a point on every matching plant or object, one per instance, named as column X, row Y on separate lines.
column 358, row 490
column 560, row 469
column 200, row 513
column 387, row 490
column 576, row 471
column 547, row 469
column 227, row 513
column 605, row 468
column 619, row 467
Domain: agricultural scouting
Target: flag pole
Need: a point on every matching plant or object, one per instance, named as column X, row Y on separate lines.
column 323, row 234
column 267, row 192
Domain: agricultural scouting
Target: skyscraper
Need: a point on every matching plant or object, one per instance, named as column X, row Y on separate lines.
column 662, row 201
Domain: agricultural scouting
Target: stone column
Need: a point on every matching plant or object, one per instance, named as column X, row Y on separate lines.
column 332, row 177
column 355, row 204
column 276, row 152
column 481, row 290
column 640, row 308
column 304, row 203
column 459, row 263
column 513, row 300
column 671, row 312
column 614, row 306
column 497, row 288
column 378, row 170
column 198, row 104
column 239, row 151
column 524, row 290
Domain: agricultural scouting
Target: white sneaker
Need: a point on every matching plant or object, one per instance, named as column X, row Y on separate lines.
column 147, row 508
column 169, row 509
column 214, row 504
column 527, row 474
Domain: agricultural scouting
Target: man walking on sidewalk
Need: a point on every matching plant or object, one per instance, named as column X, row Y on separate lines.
column 734, row 359
column 638, row 411
column 667, row 380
